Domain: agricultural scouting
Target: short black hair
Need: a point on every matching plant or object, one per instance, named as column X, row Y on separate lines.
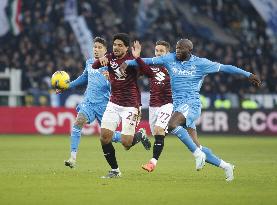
column 100, row 40
column 124, row 37
column 163, row 43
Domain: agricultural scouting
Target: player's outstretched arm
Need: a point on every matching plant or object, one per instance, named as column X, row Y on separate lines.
column 98, row 63
column 148, row 61
column 235, row 70
column 135, row 64
column 81, row 80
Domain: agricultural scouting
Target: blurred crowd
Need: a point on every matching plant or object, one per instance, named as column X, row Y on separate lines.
column 47, row 43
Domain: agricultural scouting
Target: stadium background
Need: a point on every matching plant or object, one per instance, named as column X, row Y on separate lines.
column 39, row 37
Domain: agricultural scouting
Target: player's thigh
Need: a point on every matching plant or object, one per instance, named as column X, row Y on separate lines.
column 111, row 117
column 190, row 111
column 129, row 117
column 193, row 114
column 99, row 112
column 88, row 110
column 176, row 119
column 153, row 115
column 164, row 114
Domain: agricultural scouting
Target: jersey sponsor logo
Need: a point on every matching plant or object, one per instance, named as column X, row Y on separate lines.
column 175, row 70
column 189, row 72
column 49, row 122
column 160, row 76
column 93, row 71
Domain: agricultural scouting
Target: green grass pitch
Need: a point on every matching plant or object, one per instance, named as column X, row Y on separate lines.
column 32, row 172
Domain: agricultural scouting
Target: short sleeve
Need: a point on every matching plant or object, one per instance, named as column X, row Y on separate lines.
column 208, row 66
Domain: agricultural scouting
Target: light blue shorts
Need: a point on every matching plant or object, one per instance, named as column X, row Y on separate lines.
column 92, row 111
column 191, row 112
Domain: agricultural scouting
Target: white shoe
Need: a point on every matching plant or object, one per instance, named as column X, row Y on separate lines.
column 229, row 172
column 114, row 173
column 70, row 163
column 200, row 159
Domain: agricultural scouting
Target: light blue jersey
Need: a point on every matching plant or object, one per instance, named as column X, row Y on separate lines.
column 97, row 94
column 186, row 78
column 98, row 87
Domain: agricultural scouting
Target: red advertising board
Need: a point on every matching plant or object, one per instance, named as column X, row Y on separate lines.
column 47, row 120
column 43, row 120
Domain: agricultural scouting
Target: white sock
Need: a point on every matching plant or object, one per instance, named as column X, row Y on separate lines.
column 73, row 155
column 117, row 170
column 197, row 152
column 223, row 164
column 154, row 161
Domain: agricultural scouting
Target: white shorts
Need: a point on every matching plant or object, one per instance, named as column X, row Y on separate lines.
column 114, row 114
column 160, row 116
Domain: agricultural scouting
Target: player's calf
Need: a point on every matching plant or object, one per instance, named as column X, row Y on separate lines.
column 75, row 139
column 127, row 141
column 130, row 141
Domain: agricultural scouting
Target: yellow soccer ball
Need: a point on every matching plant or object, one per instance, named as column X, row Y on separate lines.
column 60, row 80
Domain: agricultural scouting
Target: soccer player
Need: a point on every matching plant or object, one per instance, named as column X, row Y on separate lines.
column 161, row 106
column 187, row 73
column 94, row 104
column 123, row 105
column 95, row 99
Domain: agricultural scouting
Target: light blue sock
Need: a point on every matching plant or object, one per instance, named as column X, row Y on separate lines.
column 210, row 157
column 75, row 138
column 183, row 135
column 116, row 137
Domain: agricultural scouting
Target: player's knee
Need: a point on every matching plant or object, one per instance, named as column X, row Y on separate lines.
column 158, row 131
column 171, row 126
column 126, row 142
column 80, row 121
column 106, row 136
column 104, row 139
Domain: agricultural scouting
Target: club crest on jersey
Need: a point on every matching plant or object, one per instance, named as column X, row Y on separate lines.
column 113, row 65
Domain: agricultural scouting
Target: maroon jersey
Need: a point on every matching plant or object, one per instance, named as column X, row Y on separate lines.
column 160, row 89
column 124, row 90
